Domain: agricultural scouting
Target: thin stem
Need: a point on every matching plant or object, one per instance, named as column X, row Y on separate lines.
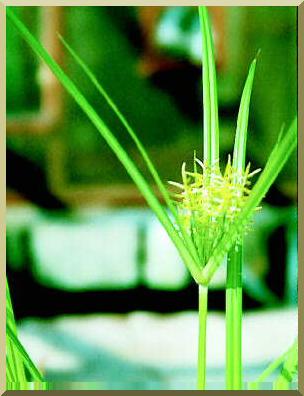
column 289, row 369
column 254, row 385
column 289, row 360
column 234, row 319
column 202, row 317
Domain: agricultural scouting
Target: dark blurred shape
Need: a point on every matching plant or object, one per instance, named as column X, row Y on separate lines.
column 276, row 277
column 26, row 178
column 32, row 299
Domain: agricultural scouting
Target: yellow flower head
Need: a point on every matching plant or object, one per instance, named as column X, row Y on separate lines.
column 209, row 201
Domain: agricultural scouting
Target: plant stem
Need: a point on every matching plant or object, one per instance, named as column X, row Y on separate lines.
column 234, row 319
column 255, row 385
column 202, row 317
column 289, row 369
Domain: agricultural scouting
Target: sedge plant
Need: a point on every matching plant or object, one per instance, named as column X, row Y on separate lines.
column 211, row 210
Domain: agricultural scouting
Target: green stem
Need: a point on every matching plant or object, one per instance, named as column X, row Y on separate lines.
column 289, row 369
column 289, row 360
column 255, row 385
column 202, row 317
column 234, row 319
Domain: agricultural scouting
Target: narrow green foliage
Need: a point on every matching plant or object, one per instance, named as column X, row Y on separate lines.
column 139, row 145
column 18, row 362
column 239, row 152
column 125, row 123
column 211, row 122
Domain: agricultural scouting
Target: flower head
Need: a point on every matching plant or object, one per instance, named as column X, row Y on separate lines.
column 208, row 202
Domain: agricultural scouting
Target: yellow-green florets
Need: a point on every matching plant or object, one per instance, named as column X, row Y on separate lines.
column 209, row 201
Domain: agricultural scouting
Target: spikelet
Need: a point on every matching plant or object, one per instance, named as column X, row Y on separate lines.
column 209, row 202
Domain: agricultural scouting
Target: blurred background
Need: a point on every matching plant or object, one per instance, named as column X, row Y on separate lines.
column 101, row 297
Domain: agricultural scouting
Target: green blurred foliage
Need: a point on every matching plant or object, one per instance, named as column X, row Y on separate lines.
column 22, row 92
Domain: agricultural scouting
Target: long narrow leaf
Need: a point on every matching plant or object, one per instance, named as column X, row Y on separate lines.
column 239, row 152
column 111, row 140
column 138, row 144
column 211, row 122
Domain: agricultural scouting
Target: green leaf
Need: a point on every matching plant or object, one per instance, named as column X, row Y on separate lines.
column 113, row 143
column 188, row 241
column 211, row 122
column 239, row 152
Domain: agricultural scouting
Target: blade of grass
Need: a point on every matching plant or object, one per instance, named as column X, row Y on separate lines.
column 211, row 122
column 234, row 312
column 121, row 154
column 239, row 152
column 138, row 144
column 275, row 163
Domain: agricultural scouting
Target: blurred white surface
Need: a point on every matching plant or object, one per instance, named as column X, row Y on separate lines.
column 78, row 256
column 164, row 267
column 159, row 340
